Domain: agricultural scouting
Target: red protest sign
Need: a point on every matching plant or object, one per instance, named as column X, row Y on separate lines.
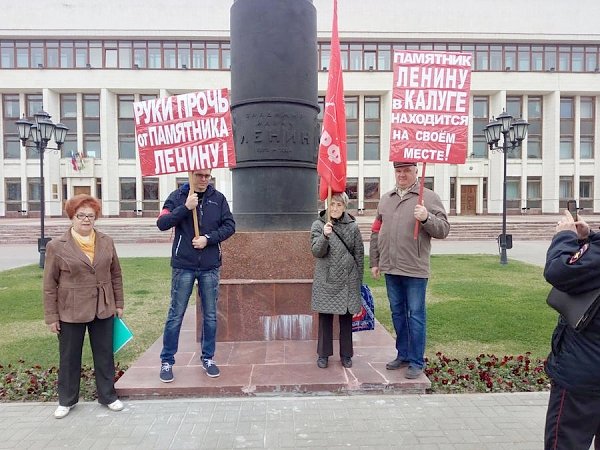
column 430, row 108
column 184, row 132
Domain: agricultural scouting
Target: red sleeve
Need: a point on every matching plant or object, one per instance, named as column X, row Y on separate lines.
column 376, row 225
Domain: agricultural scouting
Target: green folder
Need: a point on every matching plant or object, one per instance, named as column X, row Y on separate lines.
column 121, row 334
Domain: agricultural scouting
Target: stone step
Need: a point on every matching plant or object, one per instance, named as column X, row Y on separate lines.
column 145, row 231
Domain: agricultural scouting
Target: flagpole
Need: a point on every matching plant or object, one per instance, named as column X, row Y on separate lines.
column 328, row 203
column 420, row 201
column 195, row 210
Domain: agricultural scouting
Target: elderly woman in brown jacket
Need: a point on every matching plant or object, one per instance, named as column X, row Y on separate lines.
column 83, row 289
column 338, row 247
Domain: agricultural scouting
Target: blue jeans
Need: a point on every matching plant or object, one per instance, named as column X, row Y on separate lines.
column 182, row 284
column 407, row 303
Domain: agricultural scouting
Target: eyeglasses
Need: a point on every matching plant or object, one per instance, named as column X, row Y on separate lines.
column 82, row 216
column 202, row 176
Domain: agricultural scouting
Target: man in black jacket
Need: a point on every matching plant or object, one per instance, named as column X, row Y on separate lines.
column 573, row 266
column 194, row 258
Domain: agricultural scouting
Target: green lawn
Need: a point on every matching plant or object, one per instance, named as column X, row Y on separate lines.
column 23, row 334
column 475, row 306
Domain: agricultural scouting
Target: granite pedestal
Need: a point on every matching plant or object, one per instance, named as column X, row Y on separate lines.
column 265, row 291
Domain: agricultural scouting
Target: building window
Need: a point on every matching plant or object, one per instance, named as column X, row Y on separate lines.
column 12, row 188
column 480, row 121
column 484, row 194
column 586, row 138
column 514, row 107
column 140, row 55
column 453, row 194
column 567, row 128
column 68, row 117
column 33, row 103
column 372, row 128
column 550, row 53
column 7, row 54
column 586, row 192
column 534, row 131
column 33, row 194
column 351, row 128
column 150, row 200
column 370, row 57
column 523, row 58
column 564, row 59
column 384, row 57
column 126, row 127
column 577, row 59
column 513, row 192
column 154, row 55
column 591, row 59
column 10, row 138
column 537, row 58
column 565, row 191
column 125, row 54
column 99, row 188
column 534, row 192
column 352, row 191
column 356, row 57
column 169, row 54
column 429, row 182
column 96, row 54
column 91, row 126
column 67, row 57
column 212, row 56
column 81, row 54
column 482, row 57
column 371, row 193
column 127, row 199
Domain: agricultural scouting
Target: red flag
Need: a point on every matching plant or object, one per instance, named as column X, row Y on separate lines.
column 331, row 166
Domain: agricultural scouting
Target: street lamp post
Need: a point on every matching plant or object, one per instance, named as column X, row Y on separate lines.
column 40, row 132
column 513, row 132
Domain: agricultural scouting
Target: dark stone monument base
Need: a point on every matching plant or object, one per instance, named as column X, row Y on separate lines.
column 265, row 291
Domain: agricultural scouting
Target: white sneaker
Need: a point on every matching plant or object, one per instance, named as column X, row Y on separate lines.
column 62, row 411
column 117, row 405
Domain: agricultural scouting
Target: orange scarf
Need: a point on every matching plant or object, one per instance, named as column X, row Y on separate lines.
column 87, row 244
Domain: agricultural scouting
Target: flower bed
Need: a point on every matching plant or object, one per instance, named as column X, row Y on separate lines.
column 487, row 373
column 21, row 382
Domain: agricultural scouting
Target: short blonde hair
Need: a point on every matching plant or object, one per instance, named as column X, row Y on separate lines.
column 341, row 197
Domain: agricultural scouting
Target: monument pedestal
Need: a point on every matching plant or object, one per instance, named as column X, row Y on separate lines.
column 265, row 290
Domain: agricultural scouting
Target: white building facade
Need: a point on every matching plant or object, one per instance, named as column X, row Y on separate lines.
column 85, row 65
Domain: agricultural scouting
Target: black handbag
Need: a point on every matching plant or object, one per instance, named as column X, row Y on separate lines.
column 578, row 310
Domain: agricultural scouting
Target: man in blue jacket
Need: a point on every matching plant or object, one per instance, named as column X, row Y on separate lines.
column 194, row 258
column 573, row 266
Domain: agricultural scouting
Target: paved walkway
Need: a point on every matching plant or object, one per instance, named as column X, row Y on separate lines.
column 387, row 421
column 465, row 421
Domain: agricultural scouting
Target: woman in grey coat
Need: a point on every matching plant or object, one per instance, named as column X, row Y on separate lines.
column 339, row 250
